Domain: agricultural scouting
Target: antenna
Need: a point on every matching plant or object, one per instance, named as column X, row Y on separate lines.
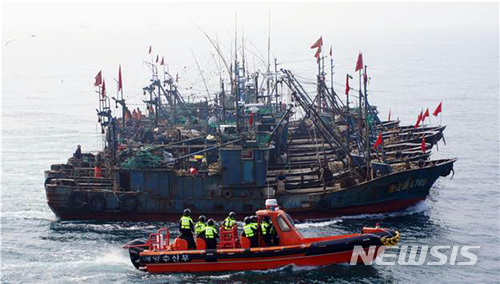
column 236, row 37
column 268, row 190
column 269, row 42
column 201, row 74
column 243, row 49
column 268, row 56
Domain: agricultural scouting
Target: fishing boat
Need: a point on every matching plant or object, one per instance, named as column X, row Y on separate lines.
column 226, row 154
column 233, row 253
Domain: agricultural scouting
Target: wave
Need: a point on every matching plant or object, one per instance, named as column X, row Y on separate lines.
column 421, row 207
column 27, row 215
column 113, row 256
column 310, row 224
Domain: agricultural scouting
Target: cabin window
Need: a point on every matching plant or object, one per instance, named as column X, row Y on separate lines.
column 247, row 154
column 289, row 218
column 283, row 225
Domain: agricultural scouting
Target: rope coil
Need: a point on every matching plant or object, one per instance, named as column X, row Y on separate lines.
column 391, row 241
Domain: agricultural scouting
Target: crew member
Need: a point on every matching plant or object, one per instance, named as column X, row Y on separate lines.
column 230, row 221
column 250, row 232
column 97, row 172
column 78, row 152
column 266, row 231
column 139, row 114
column 254, row 222
column 199, row 227
column 327, row 174
column 280, row 182
column 186, row 228
column 211, row 235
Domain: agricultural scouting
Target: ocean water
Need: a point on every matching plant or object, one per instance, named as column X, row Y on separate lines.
column 48, row 107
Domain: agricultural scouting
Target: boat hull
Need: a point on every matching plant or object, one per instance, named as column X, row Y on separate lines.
column 318, row 253
column 392, row 192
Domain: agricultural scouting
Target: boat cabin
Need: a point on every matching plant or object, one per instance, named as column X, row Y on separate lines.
column 282, row 222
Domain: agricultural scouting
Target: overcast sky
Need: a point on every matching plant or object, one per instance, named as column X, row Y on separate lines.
column 85, row 38
column 346, row 17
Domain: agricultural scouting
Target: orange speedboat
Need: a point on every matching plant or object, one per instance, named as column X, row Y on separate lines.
column 233, row 253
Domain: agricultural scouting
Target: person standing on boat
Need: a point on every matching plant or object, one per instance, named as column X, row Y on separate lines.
column 186, row 228
column 97, row 171
column 211, row 235
column 78, row 152
column 280, row 182
column 139, row 114
column 250, row 232
column 267, row 229
column 199, row 227
column 230, row 221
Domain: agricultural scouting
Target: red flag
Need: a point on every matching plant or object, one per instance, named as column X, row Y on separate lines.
column 426, row 114
column 422, row 147
column 389, row 117
column 103, row 89
column 419, row 119
column 150, row 49
column 120, row 83
column 347, row 87
column 98, row 79
column 378, row 142
column 157, row 58
column 317, row 54
column 162, row 61
column 331, row 53
column 318, row 43
column 359, row 64
column 438, row 109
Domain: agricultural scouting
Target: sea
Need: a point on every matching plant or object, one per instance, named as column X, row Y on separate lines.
column 49, row 102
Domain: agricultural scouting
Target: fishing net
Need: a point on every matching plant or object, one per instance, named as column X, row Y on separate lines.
column 143, row 159
column 263, row 139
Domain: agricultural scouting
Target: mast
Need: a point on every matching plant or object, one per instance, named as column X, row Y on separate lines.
column 120, row 100
column 367, row 131
column 276, row 82
column 236, row 74
column 243, row 51
column 331, row 75
column 268, row 56
column 359, row 105
column 223, row 100
column 348, row 116
column 319, row 82
column 256, row 87
column 174, row 106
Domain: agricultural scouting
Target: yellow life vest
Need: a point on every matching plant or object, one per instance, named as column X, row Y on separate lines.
column 229, row 223
column 186, row 222
column 248, row 229
column 264, row 227
column 210, row 232
column 199, row 227
column 255, row 225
